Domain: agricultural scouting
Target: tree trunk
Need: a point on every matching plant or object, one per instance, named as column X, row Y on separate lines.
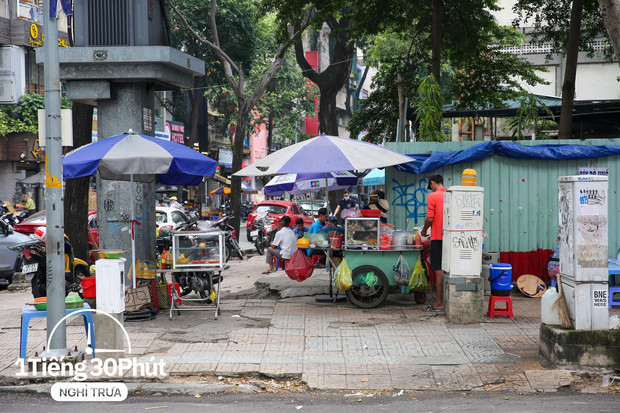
column 568, row 86
column 401, row 107
column 610, row 10
column 436, row 34
column 269, row 133
column 194, row 97
column 328, row 119
column 360, row 86
column 76, row 190
column 235, row 182
column 332, row 78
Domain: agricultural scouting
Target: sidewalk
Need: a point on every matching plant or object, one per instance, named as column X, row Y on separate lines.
column 328, row 346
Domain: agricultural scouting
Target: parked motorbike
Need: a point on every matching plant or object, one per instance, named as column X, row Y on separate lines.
column 231, row 245
column 246, row 208
column 261, row 232
column 34, row 264
column 11, row 219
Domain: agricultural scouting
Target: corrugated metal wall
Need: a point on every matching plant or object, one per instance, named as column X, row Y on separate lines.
column 521, row 197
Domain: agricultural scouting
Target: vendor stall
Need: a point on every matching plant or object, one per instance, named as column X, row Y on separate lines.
column 372, row 252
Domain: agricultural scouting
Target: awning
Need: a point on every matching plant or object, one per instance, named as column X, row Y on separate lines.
column 226, row 189
column 220, row 178
column 374, row 177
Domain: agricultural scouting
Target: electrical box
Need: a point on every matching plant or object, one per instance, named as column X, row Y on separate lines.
column 462, row 230
column 120, row 23
column 583, row 226
column 110, row 284
column 12, row 73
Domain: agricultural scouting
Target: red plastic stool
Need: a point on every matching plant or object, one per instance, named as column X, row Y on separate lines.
column 277, row 262
column 492, row 312
column 176, row 287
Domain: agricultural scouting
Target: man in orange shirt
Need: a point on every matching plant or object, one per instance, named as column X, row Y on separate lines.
column 434, row 220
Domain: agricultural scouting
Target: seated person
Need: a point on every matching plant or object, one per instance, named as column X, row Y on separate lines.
column 300, row 228
column 284, row 243
column 318, row 226
column 28, row 205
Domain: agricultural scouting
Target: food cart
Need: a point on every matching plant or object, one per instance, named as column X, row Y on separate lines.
column 372, row 263
column 198, row 259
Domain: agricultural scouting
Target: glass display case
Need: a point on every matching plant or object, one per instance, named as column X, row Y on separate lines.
column 360, row 231
column 198, row 249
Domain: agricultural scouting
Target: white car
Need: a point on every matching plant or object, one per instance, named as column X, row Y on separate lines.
column 171, row 218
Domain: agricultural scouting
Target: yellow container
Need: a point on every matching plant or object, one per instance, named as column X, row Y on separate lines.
column 470, row 177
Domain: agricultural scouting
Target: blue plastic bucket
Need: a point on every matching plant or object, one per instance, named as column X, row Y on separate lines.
column 501, row 279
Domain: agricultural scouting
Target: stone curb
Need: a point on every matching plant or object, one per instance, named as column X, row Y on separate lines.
column 137, row 388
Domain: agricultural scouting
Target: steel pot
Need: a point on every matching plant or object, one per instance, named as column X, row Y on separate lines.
column 399, row 238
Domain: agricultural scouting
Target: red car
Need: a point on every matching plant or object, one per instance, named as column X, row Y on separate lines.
column 276, row 210
column 39, row 219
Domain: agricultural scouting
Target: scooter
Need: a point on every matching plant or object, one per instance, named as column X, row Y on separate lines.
column 34, row 264
column 231, row 244
column 261, row 232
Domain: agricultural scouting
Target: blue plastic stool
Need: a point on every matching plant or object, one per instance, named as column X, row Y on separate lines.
column 613, row 289
column 278, row 263
column 28, row 313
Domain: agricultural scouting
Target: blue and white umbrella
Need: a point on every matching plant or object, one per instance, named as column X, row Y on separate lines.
column 309, row 182
column 140, row 158
column 324, row 154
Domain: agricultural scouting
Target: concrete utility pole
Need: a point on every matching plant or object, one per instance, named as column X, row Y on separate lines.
column 55, row 244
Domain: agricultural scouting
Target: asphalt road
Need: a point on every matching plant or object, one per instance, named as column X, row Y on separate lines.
column 565, row 401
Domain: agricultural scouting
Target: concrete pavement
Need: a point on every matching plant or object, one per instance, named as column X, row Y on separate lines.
column 327, row 346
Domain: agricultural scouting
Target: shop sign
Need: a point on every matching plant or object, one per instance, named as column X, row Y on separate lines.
column 176, row 131
column 225, row 158
column 35, row 41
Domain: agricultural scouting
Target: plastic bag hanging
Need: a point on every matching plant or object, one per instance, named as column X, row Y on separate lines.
column 418, row 282
column 343, row 276
column 402, row 273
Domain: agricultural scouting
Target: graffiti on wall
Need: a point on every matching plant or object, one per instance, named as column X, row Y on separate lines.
column 413, row 197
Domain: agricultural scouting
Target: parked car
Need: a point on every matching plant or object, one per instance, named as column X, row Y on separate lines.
column 311, row 207
column 276, row 210
column 39, row 219
column 8, row 259
column 171, row 218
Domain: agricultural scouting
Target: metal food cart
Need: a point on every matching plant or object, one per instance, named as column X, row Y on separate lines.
column 199, row 258
column 371, row 266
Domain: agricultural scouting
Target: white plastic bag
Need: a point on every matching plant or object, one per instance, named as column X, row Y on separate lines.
column 402, row 273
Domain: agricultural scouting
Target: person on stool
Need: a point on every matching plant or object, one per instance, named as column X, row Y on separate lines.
column 434, row 220
column 284, row 243
column 28, row 205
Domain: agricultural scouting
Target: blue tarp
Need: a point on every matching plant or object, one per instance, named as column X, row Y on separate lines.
column 374, row 177
column 426, row 162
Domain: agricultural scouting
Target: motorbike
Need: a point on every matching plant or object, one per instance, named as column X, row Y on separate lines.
column 33, row 255
column 246, row 208
column 261, row 232
column 9, row 217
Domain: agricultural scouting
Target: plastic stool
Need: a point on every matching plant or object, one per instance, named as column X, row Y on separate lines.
column 492, row 312
column 28, row 313
column 613, row 289
column 176, row 287
column 278, row 262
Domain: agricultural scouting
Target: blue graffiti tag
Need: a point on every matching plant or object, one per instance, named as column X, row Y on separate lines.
column 410, row 198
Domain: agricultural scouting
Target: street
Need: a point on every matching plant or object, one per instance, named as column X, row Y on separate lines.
column 564, row 401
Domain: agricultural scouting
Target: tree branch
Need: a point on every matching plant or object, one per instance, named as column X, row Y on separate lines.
column 216, row 48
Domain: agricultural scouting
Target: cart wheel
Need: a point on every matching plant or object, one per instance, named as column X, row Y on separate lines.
column 363, row 295
column 420, row 298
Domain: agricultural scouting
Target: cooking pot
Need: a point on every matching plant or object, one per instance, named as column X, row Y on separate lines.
column 399, row 238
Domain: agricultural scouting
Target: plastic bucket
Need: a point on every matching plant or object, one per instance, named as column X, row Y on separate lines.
column 335, row 241
column 500, row 278
column 469, row 177
column 89, row 286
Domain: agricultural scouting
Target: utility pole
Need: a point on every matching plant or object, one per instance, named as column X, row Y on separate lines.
column 55, row 243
